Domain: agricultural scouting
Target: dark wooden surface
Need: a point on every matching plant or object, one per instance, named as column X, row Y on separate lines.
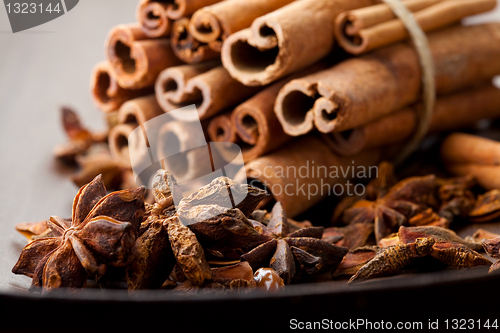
column 40, row 70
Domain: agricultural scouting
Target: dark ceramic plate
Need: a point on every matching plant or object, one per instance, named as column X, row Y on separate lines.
column 451, row 294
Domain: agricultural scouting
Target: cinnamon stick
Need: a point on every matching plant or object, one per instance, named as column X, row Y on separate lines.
column 187, row 163
column 350, row 94
column 118, row 143
column 284, row 41
column 170, row 86
column 132, row 114
column 138, row 111
column 107, row 93
column 220, row 129
column 135, row 60
column 186, row 47
column 487, row 176
column 362, row 30
column 153, row 18
column 253, row 124
column 466, row 154
column 465, row 148
column 213, row 24
column 303, row 172
column 218, row 91
column 450, row 113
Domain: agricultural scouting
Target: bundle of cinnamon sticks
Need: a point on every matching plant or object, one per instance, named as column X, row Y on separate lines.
column 294, row 83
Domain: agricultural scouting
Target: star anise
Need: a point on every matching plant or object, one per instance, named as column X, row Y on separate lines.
column 394, row 258
column 455, row 197
column 101, row 233
column 388, row 213
column 487, row 207
column 293, row 255
column 218, row 214
column 165, row 242
column 492, row 248
column 80, row 138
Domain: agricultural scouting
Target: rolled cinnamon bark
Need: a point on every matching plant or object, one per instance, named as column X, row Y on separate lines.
column 284, row 41
column 186, row 47
column 170, row 86
column 107, row 93
column 303, row 172
column 350, row 94
column 461, row 148
column 220, row 129
column 212, row 24
column 139, row 110
column 190, row 163
column 487, row 176
column 135, row 60
column 152, row 16
column 450, row 113
column 118, row 143
column 218, row 91
column 362, row 30
column 132, row 114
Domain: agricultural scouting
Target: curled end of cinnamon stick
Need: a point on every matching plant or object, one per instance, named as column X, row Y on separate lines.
column 205, row 27
column 107, row 93
column 186, row 47
column 348, row 33
column 153, row 17
column 295, row 106
column 252, row 56
column 220, row 129
column 118, row 143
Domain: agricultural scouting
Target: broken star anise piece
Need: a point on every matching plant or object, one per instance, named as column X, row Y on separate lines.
column 210, row 214
column 391, row 260
column 455, row 196
column 222, row 192
column 101, row 233
column 355, row 259
column 492, row 248
column 165, row 242
column 353, row 235
column 297, row 255
column 410, row 234
column 388, row 213
column 487, row 207
column 457, row 255
column 430, row 218
column 80, row 138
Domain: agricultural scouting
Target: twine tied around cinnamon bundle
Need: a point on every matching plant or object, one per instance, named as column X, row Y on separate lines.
column 421, row 43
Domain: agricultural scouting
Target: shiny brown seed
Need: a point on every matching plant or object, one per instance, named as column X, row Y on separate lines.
column 268, row 278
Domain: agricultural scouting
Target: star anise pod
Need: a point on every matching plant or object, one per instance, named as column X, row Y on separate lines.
column 487, row 207
column 101, row 233
column 293, row 255
column 455, row 196
column 375, row 189
column 447, row 247
column 80, row 138
column 218, row 214
column 165, row 242
column 388, row 213
column 492, row 248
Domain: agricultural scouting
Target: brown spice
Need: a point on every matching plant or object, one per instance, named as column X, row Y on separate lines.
column 101, row 233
